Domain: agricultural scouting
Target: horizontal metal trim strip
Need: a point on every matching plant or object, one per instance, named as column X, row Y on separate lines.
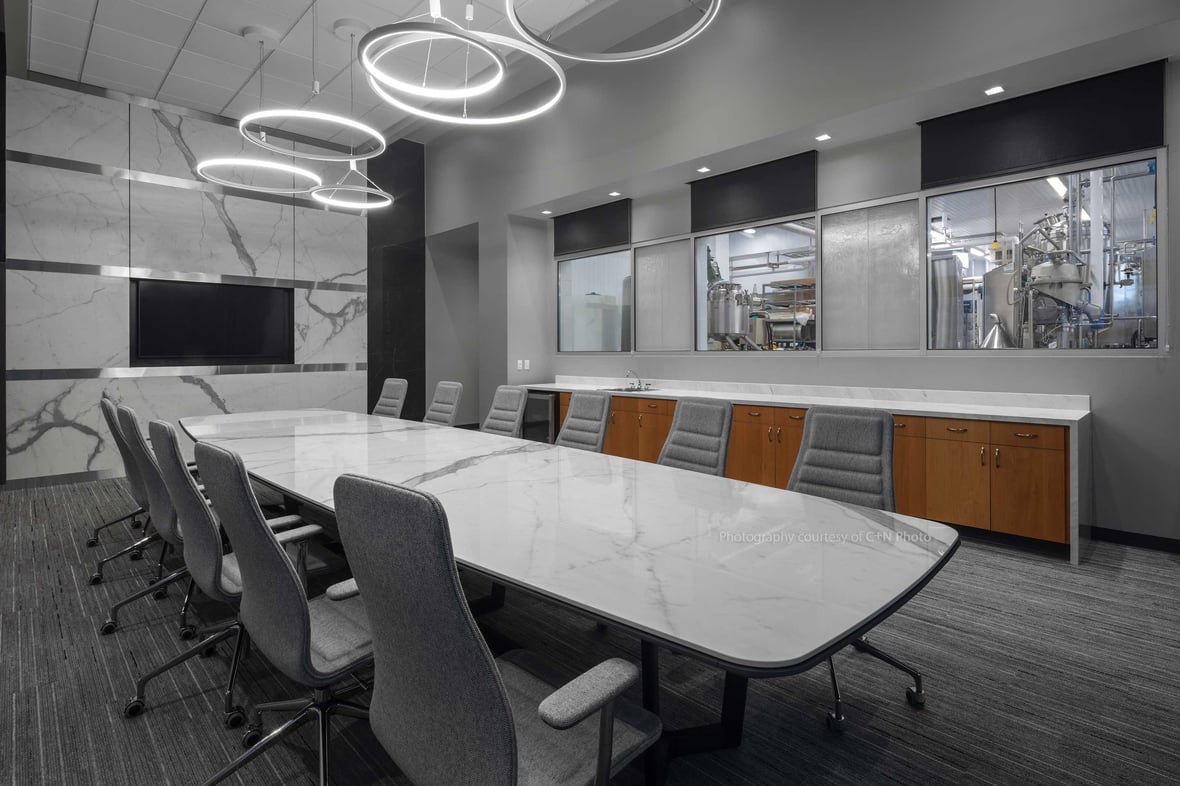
column 59, row 480
column 151, row 178
column 119, row 271
column 198, row 114
column 36, row 374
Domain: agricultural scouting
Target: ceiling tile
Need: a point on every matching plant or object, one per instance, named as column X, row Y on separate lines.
column 144, row 21
column 227, row 47
column 52, row 26
column 103, row 70
column 55, row 58
column 215, row 72
column 115, row 43
column 186, row 8
column 80, row 9
column 192, row 93
column 232, row 15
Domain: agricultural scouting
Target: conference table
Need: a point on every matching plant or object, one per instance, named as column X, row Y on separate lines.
column 758, row 581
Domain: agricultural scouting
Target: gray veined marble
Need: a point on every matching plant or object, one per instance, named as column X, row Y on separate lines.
column 56, row 320
column 331, row 246
column 61, row 216
column 186, row 231
column 330, row 326
column 53, row 121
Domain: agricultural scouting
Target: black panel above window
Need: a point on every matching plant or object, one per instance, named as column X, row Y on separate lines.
column 1120, row 112
column 776, row 189
column 604, row 226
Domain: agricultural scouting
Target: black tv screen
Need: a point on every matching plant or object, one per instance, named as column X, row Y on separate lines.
column 177, row 323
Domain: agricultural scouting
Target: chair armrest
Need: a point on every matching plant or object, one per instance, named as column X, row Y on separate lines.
column 284, row 522
column 343, row 591
column 584, row 695
column 298, row 534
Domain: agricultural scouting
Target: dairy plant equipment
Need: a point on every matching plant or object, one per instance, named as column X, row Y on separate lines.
column 729, row 315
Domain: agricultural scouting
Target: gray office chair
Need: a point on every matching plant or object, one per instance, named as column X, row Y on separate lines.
column 211, row 570
column 699, row 438
column 585, row 421
column 138, row 495
column 444, row 709
column 445, row 404
column 393, row 398
column 847, row 456
column 315, row 643
column 506, row 417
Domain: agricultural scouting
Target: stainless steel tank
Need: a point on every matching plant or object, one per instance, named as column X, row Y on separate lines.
column 729, row 310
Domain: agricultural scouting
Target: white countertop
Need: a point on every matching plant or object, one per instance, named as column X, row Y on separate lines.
column 1019, row 407
column 753, row 576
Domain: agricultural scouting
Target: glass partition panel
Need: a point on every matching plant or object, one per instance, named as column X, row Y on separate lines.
column 1066, row 261
column 663, row 297
column 594, row 303
column 872, row 287
column 756, row 288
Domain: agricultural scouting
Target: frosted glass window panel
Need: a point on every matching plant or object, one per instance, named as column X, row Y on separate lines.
column 594, row 303
column 664, row 297
column 871, row 295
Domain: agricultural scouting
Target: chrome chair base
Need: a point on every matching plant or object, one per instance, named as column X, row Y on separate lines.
column 92, row 541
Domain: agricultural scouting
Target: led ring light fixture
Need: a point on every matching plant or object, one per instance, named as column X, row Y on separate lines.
column 489, row 120
column 534, row 38
column 328, row 194
column 252, row 127
column 204, row 167
column 378, row 43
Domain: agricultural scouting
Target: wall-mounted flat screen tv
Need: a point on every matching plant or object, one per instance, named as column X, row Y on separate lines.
column 182, row 323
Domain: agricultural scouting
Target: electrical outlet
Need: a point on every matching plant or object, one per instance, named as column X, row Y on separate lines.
column 520, row 365
column 526, row 365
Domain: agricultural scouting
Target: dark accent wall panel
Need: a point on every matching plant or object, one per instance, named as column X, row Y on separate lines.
column 784, row 187
column 4, row 266
column 397, row 276
column 1115, row 113
column 603, row 226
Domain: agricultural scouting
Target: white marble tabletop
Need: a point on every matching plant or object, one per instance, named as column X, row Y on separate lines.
column 757, row 578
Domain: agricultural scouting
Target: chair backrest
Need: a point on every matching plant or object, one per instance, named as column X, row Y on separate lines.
column 846, row 455
column 445, row 404
column 439, row 706
column 198, row 524
column 393, row 397
column 159, row 501
column 506, row 417
column 273, row 606
column 585, row 421
column 699, row 438
column 111, row 415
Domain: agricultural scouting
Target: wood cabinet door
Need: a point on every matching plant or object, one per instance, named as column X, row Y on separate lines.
column 621, row 434
column 958, row 483
column 1028, row 492
column 909, row 475
column 788, row 439
column 751, row 452
column 563, row 408
column 651, row 434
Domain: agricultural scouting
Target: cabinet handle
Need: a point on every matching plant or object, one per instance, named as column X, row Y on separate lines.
column 982, row 456
column 769, row 430
column 1026, row 436
column 641, row 420
column 779, row 433
column 997, row 458
column 755, row 414
column 795, row 417
column 612, row 417
column 956, row 430
column 652, row 406
column 899, row 425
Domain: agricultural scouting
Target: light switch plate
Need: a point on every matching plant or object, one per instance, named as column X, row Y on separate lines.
column 520, row 365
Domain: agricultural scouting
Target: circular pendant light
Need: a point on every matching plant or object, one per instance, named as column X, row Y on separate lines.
column 365, row 196
column 461, row 117
column 209, row 167
column 534, row 38
column 381, row 41
column 254, row 129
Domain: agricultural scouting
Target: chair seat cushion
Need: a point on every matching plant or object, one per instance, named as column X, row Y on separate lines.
column 546, row 755
column 231, row 576
column 340, row 635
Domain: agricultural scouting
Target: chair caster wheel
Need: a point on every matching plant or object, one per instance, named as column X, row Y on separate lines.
column 96, row 578
column 209, row 651
column 108, row 627
column 251, row 737
column 133, row 708
column 160, row 594
column 235, row 718
column 187, row 633
column 136, row 524
column 91, row 542
column 915, row 697
column 835, row 722
column 135, row 556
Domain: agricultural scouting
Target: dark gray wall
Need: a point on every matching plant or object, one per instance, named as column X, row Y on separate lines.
column 452, row 308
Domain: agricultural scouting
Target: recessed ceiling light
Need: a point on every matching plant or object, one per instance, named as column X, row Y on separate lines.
column 546, row 212
column 823, row 137
column 750, row 231
column 1057, row 185
column 704, row 169
column 994, row 91
column 614, row 193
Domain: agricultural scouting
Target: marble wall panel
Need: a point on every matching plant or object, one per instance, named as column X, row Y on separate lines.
column 331, row 246
column 54, row 427
column 62, row 216
column 182, row 230
column 62, row 123
column 331, row 326
column 57, row 320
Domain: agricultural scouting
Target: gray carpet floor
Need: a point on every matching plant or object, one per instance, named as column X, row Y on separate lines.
column 1037, row 672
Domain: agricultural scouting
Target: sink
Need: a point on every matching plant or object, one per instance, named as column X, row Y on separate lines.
column 627, row 390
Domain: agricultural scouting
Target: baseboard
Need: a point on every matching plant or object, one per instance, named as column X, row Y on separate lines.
column 1171, row 545
column 60, row 480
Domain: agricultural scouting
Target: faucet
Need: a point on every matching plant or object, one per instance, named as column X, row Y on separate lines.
column 638, row 382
